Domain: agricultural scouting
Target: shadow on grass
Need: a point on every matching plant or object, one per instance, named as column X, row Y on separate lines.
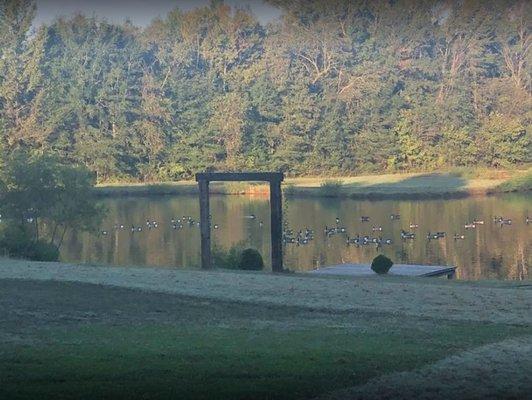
column 426, row 186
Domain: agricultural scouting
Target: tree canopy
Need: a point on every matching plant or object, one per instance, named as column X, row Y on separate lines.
column 40, row 198
column 336, row 87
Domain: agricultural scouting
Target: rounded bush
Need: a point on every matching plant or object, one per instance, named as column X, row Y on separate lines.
column 43, row 251
column 251, row 260
column 381, row 264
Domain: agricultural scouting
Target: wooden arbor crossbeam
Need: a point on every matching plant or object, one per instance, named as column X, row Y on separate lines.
column 275, row 179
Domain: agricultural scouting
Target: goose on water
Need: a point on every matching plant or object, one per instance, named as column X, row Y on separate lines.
column 355, row 240
column 437, row 235
column 502, row 220
column 407, row 235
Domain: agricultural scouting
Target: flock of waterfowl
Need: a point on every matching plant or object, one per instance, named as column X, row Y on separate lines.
column 306, row 235
column 176, row 223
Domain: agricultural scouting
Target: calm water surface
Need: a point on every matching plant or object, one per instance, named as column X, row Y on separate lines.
column 488, row 252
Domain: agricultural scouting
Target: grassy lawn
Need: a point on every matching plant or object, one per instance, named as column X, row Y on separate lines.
column 414, row 185
column 67, row 340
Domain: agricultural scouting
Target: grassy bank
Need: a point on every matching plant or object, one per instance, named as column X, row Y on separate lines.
column 458, row 183
column 80, row 341
column 517, row 183
column 235, row 335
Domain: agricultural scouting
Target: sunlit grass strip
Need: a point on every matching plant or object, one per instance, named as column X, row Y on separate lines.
column 413, row 186
column 179, row 188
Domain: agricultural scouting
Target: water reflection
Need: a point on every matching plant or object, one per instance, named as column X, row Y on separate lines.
column 488, row 251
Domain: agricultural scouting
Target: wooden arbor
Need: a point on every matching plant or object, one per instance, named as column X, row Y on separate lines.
column 275, row 179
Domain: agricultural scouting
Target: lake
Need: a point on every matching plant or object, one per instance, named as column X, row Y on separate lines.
column 488, row 251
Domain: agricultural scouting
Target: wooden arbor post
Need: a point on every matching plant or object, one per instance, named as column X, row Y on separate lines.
column 276, row 205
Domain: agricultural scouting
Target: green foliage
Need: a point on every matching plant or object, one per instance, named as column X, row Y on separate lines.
column 251, row 260
column 352, row 87
column 457, row 148
column 289, row 189
column 227, row 259
column 40, row 198
column 237, row 257
column 381, row 264
column 17, row 241
column 41, row 250
column 331, row 188
column 505, row 141
column 521, row 182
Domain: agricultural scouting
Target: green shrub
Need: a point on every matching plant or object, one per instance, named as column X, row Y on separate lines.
column 381, row 264
column 237, row 257
column 227, row 259
column 43, row 251
column 15, row 241
column 289, row 189
column 331, row 188
column 251, row 260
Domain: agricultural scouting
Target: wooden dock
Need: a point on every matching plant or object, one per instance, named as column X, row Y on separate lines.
column 397, row 269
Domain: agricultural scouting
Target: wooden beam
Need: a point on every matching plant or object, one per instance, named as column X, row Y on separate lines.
column 276, row 204
column 205, row 226
column 240, row 176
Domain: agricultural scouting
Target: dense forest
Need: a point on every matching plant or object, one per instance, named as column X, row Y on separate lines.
column 331, row 87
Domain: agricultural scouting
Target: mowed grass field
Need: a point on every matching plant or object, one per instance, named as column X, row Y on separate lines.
column 72, row 340
column 414, row 185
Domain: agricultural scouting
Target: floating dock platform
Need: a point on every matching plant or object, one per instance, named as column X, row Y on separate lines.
column 397, row 269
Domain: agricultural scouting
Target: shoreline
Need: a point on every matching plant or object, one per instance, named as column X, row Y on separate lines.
column 413, row 186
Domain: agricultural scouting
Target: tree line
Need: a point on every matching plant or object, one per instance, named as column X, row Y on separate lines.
column 332, row 87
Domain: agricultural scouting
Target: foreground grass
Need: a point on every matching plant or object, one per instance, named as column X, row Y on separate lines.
column 418, row 185
column 223, row 351
column 229, row 335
